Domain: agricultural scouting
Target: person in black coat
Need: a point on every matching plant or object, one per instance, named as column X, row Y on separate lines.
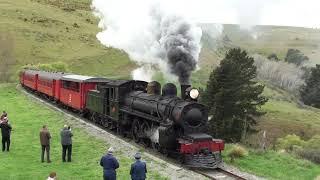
column 109, row 164
column 5, row 132
column 66, row 142
column 138, row 169
column 3, row 115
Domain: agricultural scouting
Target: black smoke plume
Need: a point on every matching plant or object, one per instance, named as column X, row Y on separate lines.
column 181, row 47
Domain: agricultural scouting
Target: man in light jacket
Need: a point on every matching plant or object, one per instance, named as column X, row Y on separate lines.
column 66, row 142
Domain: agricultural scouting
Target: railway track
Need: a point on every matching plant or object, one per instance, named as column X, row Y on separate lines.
column 219, row 174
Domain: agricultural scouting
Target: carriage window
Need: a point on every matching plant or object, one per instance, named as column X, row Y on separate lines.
column 74, row 86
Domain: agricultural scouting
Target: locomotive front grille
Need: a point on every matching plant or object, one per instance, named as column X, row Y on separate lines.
column 208, row 161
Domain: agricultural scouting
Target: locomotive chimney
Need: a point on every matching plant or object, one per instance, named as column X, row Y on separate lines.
column 183, row 90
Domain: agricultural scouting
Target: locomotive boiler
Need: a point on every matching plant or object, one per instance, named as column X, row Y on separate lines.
column 179, row 124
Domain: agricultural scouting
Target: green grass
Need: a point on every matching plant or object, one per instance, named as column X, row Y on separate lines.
column 23, row 161
column 273, row 165
column 44, row 32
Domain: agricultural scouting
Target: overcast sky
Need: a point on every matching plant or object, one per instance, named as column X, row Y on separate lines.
column 303, row 13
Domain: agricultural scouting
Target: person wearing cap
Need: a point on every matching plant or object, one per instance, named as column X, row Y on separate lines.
column 138, row 169
column 109, row 164
column 45, row 143
column 3, row 115
column 5, row 132
column 66, row 142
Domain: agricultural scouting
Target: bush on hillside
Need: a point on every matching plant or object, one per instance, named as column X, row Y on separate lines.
column 237, row 151
column 313, row 143
column 273, row 57
column 295, row 56
column 53, row 67
column 312, row 155
column 290, row 143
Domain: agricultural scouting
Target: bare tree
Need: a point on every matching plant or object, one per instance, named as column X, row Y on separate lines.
column 284, row 75
column 7, row 60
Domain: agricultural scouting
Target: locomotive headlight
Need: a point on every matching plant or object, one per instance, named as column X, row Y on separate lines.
column 194, row 93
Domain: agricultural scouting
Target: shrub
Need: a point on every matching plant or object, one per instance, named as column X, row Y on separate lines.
column 273, row 57
column 290, row 143
column 313, row 143
column 60, row 66
column 296, row 57
column 56, row 66
column 310, row 154
column 237, row 151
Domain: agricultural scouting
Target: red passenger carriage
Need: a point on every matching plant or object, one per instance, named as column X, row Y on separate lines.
column 49, row 83
column 30, row 79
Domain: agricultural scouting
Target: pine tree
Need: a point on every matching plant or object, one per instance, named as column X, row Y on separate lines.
column 310, row 92
column 233, row 97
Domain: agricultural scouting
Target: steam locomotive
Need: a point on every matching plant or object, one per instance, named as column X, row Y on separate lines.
column 155, row 117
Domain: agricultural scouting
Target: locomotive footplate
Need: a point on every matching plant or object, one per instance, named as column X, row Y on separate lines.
column 208, row 161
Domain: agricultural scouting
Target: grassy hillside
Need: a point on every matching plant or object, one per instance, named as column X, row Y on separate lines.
column 23, row 160
column 47, row 31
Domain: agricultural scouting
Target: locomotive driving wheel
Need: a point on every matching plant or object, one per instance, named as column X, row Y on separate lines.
column 135, row 131
column 105, row 123
column 145, row 128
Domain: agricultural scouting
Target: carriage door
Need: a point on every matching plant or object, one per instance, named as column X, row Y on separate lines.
column 114, row 103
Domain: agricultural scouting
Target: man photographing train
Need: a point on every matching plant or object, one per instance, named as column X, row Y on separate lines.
column 66, row 142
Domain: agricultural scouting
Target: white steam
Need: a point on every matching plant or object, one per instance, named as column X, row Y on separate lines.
column 153, row 37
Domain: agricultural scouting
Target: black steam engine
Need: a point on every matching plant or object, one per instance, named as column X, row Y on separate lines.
column 157, row 118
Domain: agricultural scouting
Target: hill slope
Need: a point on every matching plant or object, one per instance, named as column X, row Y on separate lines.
column 44, row 32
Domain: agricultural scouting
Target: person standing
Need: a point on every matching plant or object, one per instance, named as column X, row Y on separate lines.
column 5, row 132
column 52, row 176
column 3, row 115
column 66, row 142
column 109, row 164
column 138, row 169
column 45, row 143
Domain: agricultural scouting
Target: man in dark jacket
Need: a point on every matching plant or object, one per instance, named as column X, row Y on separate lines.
column 45, row 143
column 5, row 132
column 66, row 142
column 138, row 169
column 109, row 164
